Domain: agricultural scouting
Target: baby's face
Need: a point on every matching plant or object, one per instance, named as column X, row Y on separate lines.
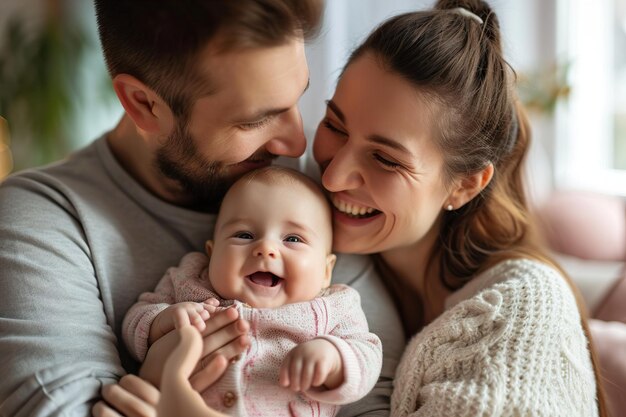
column 272, row 245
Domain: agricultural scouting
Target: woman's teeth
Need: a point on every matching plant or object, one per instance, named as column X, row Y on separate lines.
column 353, row 209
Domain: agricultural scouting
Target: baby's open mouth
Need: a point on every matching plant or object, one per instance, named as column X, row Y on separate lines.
column 266, row 279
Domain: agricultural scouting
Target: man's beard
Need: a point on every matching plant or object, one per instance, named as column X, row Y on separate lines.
column 204, row 182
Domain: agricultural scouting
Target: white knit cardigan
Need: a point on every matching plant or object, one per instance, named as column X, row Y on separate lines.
column 510, row 343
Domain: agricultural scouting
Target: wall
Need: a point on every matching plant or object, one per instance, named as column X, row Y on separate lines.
column 529, row 42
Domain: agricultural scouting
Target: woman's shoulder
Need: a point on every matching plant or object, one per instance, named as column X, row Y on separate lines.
column 516, row 278
column 514, row 330
column 518, row 301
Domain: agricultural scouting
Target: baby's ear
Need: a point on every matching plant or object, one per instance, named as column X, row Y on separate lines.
column 331, row 259
column 208, row 247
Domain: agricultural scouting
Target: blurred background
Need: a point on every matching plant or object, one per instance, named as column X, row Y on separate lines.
column 570, row 56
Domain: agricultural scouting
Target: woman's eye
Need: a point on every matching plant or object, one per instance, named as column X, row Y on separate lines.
column 386, row 162
column 244, row 235
column 328, row 125
column 293, row 239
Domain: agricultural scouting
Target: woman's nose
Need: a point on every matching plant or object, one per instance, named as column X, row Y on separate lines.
column 342, row 172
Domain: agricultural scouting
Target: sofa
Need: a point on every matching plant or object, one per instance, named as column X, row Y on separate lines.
column 587, row 233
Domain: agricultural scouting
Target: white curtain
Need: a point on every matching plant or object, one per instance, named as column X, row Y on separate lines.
column 346, row 24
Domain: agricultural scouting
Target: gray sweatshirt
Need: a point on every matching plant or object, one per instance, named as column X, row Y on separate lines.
column 79, row 241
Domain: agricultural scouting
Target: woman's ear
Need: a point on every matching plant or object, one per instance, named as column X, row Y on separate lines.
column 208, row 248
column 145, row 107
column 469, row 187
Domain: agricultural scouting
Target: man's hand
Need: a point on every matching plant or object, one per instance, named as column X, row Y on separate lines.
column 178, row 396
column 135, row 397
column 312, row 364
column 225, row 335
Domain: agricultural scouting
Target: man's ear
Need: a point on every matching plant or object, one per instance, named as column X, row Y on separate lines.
column 145, row 107
column 469, row 187
column 331, row 259
column 208, row 248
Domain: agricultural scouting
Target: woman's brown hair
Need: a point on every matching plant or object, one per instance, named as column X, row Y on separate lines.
column 455, row 58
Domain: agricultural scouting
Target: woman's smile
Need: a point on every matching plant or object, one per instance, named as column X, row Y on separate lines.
column 353, row 210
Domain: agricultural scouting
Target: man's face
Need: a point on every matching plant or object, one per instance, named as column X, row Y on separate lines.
column 250, row 118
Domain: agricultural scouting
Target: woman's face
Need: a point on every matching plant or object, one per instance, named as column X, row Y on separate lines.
column 379, row 162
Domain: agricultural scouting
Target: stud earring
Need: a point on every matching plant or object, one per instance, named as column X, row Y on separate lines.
column 449, row 207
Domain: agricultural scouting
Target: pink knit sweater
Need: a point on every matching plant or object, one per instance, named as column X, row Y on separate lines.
column 250, row 386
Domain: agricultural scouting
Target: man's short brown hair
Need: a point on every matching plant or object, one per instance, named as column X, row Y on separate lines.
column 158, row 42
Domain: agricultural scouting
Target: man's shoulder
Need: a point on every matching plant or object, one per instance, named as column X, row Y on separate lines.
column 351, row 269
column 77, row 168
column 61, row 185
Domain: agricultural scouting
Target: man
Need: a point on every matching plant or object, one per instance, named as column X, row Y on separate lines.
column 210, row 90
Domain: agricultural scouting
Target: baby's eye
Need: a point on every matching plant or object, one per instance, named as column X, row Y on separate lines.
column 244, row 235
column 293, row 239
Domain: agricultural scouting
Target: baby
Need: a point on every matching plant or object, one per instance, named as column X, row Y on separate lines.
column 271, row 259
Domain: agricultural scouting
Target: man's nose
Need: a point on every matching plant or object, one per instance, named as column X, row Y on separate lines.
column 288, row 139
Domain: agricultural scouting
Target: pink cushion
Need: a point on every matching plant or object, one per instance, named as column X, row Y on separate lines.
column 609, row 335
column 610, row 343
column 585, row 224
column 613, row 306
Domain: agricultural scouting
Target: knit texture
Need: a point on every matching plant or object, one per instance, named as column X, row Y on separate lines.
column 510, row 344
column 250, row 385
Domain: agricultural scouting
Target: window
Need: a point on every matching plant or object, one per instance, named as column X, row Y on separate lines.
column 591, row 126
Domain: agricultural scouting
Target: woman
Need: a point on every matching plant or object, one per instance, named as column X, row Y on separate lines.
column 430, row 156
column 421, row 150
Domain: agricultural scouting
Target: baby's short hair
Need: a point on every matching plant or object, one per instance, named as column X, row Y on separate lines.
column 276, row 174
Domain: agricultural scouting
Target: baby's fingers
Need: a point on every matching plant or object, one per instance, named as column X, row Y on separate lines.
column 295, row 371
column 283, row 376
column 211, row 303
column 320, row 373
column 181, row 318
column 198, row 314
column 306, row 375
column 197, row 319
column 188, row 314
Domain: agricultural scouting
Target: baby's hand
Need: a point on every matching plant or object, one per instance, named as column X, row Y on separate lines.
column 198, row 313
column 312, row 364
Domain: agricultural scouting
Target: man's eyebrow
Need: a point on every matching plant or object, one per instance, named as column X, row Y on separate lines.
column 333, row 106
column 262, row 114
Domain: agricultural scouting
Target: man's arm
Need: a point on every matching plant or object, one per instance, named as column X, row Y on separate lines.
column 383, row 320
column 145, row 321
column 56, row 346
